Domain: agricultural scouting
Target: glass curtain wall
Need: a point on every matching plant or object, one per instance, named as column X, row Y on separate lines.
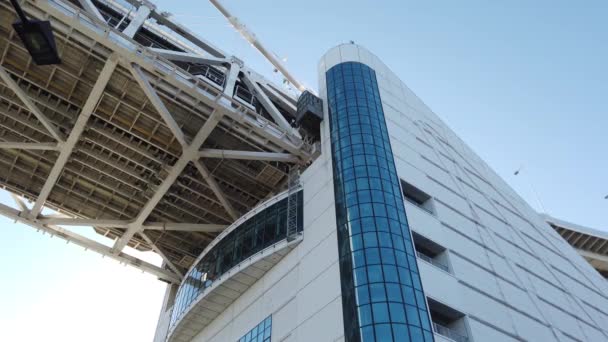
column 382, row 296
column 263, row 230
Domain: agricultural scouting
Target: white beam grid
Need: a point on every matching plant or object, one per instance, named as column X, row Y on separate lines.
column 188, row 154
column 247, row 120
column 248, row 155
column 29, row 146
column 30, row 105
column 179, row 135
column 87, row 243
column 189, row 57
column 79, row 127
column 250, row 121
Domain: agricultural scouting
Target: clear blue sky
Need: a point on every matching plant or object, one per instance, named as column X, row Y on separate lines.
column 522, row 82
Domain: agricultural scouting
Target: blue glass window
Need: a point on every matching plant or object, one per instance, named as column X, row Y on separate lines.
column 259, row 333
column 381, row 290
column 262, row 230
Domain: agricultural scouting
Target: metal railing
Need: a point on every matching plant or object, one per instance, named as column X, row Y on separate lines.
column 449, row 333
column 292, row 203
column 433, row 261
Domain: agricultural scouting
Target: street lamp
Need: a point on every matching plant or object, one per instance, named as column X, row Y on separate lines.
column 37, row 36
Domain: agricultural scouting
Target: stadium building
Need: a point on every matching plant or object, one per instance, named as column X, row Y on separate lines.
column 353, row 214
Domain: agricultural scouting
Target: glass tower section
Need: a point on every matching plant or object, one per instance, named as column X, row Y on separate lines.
column 382, row 296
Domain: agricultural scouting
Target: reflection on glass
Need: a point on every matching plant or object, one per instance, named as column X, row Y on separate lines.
column 260, row 333
column 378, row 268
column 266, row 228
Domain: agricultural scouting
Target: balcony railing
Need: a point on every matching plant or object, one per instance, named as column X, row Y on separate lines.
column 449, row 333
column 433, row 261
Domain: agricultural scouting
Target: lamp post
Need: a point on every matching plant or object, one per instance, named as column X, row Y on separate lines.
column 37, row 36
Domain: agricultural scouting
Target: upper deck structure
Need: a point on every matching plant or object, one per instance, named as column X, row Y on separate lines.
column 591, row 244
column 148, row 133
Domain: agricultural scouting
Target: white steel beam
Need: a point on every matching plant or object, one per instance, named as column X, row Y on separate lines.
column 90, row 244
column 186, row 227
column 215, row 188
column 164, row 19
column 189, row 57
column 90, row 8
column 30, row 105
column 251, row 38
column 179, row 135
column 140, row 17
column 66, row 221
column 277, row 96
column 231, row 78
column 274, row 112
column 248, row 155
column 188, row 154
column 169, row 226
column 158, row 104
column 79, row 126
column 162, row 255
column 19, row 201
column 29, row 146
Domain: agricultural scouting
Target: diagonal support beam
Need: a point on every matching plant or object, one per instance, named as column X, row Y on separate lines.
column 189, row 57
column 29, row 146
column 19, row 201
column 248, row 155
column 90, row 244
column 261, row 96
column 162, row 255
column 188, row 154
column 90, row 8
column 233, row 75
column 216, row 188
column 179, row 135
column 79, row 127
column 158, row 104
column 278, row 97
column 143, row 12
column 30, row 105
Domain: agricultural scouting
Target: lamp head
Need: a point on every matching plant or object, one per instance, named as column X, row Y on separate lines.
column 37, row 36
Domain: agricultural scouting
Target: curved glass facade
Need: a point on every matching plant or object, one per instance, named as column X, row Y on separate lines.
column 258, row 232
column 382, row 296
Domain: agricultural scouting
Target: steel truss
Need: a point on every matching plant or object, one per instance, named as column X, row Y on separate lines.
column 118, row 162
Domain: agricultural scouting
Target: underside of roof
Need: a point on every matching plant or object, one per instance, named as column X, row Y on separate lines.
column 590, row 243
column 145, row 131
